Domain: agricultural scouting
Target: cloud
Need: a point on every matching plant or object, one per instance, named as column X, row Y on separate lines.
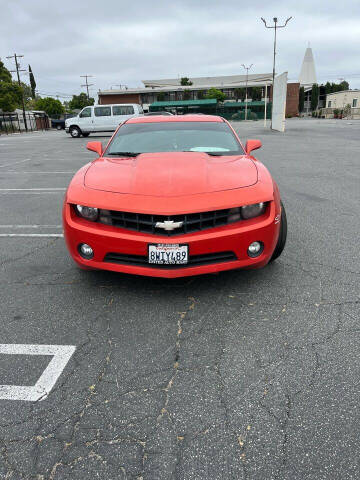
column 125, row 42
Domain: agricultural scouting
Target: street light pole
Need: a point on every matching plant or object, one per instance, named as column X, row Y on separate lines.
column 275, row 27
column 246, row 87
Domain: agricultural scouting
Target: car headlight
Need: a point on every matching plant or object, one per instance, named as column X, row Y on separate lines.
column 90, row 213
column 251, row 211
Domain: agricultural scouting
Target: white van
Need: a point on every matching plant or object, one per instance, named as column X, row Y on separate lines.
column 101, row 118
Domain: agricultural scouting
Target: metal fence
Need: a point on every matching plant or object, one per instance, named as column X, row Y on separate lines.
column 15, row 123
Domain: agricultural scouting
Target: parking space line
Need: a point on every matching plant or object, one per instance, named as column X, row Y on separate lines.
column 33, row 193
column 30, row 226
column 15, row 163
column 61, row 355
column 31, row 189
column 60, row 235
column 36, row 172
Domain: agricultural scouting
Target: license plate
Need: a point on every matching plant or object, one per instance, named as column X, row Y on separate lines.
column 168, row 254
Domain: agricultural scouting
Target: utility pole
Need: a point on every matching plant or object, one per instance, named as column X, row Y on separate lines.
column 275, row 27
column 87, row 85
column 246, row 88
column 19, row 82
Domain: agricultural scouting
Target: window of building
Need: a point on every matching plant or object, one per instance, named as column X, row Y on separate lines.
column 102, row 111
column 123, row 110
column 329, row 103
column 354, row 102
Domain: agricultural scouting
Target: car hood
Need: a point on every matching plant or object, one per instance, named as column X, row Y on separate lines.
column 171, row 174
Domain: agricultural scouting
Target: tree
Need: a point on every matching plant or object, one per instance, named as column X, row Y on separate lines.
column 200, row 94
column 187, row 95
column 217, row 94
column 10, row 92
column 5, row 75
column 32, row 83
column 255, row 93
column 314, row 96
column 347, row 111
column 344, row 85
column 26, row 92
column 78, row 102
column 50, row 106
column 239, row 93
column 161, row 96
column 185, row 81
column 10, row 96
column 301, row 99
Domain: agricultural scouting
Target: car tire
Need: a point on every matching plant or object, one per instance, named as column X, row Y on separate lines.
column 75, row 132
column 85, row 134
column 282, row 235
column 58, row 127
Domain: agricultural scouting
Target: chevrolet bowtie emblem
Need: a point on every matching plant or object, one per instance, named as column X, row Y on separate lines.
column 169, row 225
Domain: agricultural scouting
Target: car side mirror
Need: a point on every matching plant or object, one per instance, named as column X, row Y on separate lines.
column 95, row 147
column 252, row 145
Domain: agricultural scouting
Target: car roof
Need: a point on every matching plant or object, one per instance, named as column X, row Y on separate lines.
column 176, row 118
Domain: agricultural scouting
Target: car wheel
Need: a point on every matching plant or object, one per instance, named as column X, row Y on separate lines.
column 58, row 127
column 75, row 132
column 282, row 235
column 86, row 134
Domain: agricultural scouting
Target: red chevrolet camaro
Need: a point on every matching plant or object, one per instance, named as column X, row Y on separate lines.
column 174, row 196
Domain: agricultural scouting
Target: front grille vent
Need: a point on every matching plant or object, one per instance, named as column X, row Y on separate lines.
column 194, row 260
column 191, row 222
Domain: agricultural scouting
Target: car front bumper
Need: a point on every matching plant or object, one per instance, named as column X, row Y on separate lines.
column 234, row 238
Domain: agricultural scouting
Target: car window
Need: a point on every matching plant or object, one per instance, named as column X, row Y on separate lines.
column 211, row 137
column 102, row 111
column 85, row 113
column 123, row 110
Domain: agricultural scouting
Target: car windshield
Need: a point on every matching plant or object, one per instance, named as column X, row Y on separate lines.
column 214, row 138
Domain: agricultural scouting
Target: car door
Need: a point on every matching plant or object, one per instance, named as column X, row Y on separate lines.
column 103, row 120
column 85, row 120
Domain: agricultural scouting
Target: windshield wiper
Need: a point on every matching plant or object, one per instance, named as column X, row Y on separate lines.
column 124, row 154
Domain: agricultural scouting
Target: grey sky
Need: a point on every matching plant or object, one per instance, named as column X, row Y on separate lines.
column 124, row 42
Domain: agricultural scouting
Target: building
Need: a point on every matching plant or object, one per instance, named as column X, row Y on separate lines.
column 339, row 100
column 233, row 86
column 307, row 77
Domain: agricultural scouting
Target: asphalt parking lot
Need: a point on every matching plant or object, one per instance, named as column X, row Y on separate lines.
column 242, row 375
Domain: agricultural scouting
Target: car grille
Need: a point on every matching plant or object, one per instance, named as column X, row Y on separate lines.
column 191, row 222
column 194, row 260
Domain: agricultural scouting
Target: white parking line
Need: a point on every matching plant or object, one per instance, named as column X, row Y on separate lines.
column 61, row 355
column 59, row 235
column 15, row 163
column 35, row 172
column 30, row 189
column 30, row 226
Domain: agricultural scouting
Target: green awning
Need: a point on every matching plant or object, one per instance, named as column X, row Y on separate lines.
column 185, row 103
column 242, row 104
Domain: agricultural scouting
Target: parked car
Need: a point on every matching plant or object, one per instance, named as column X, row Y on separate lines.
column 174, row 196
column 59, row 123
column 101, row 118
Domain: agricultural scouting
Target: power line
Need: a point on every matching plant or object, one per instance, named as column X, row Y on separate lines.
column 19, row 82
column 87, row 85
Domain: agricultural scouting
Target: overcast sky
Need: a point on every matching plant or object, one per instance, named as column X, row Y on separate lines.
column 124, row 42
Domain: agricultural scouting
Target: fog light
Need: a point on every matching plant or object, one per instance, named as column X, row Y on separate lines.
column 86, row 251
column 255, row 249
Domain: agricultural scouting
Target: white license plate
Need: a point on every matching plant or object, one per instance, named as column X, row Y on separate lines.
column 168, row 254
